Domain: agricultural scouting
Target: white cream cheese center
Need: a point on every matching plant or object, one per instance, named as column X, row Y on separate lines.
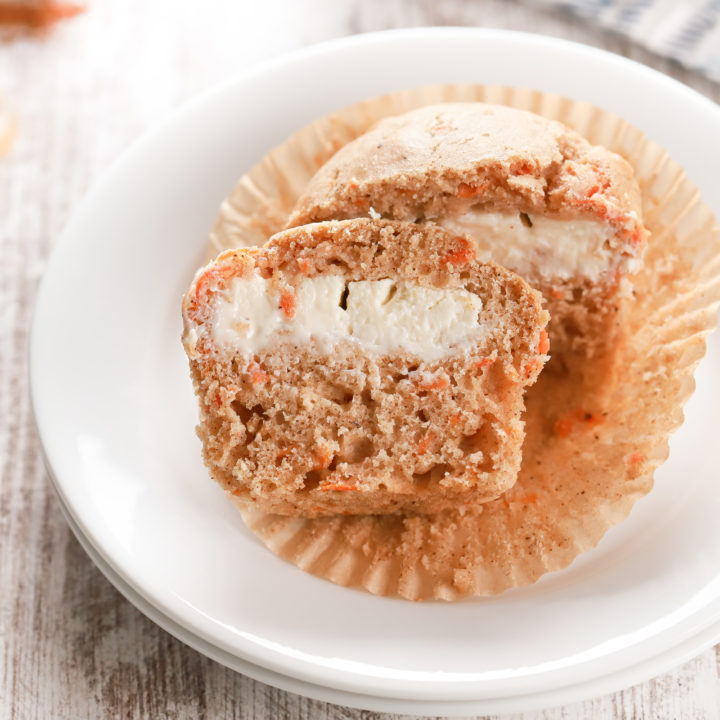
column 549, row 248
column 383, row 315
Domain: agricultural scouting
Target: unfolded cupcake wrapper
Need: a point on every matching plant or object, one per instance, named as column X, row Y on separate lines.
column 593, row 438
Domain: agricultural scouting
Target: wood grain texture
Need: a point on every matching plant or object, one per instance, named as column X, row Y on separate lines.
column 70, row 645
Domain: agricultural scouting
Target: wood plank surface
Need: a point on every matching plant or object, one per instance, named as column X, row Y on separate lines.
column 70, row 645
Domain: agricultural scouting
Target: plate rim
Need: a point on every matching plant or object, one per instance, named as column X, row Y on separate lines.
column 484, row 706
column 342, row 678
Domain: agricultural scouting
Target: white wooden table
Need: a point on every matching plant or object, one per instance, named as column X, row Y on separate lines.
column 70, row 645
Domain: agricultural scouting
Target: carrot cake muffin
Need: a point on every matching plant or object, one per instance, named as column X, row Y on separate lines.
column 362, row 366
column 534, row 195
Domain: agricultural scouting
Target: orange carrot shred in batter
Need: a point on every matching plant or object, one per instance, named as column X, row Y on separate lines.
column 324, row 458
column 463, row 254
column 424, row 444
column 637, row 237
column 483, row 362
column 544, row 344
column 437, row 383
column 257, row 374
column 340, row 486
column 469, row 191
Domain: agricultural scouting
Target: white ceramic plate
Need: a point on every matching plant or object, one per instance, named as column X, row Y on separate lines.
column 115, row 412
column 515, row 703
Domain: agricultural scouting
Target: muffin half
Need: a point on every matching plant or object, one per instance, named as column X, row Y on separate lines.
column 362, row 367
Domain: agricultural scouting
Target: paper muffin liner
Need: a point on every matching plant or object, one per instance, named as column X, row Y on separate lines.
column 590, row 449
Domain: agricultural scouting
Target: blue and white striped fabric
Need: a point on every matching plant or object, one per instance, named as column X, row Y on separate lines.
column 685, row 30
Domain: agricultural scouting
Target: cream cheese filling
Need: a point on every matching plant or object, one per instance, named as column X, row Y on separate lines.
column 385, row 316
column 540, row 247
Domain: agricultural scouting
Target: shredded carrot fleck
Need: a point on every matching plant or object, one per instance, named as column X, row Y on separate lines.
column 455, row 419
column 470, row 191
column 437, row 383
column 637, row 237
column 304, row 266
column 559, row 294
column 219, row 274
column 218, row 398
column 424, row 444
column 257, row 375
column 524, row 168
column 237, row 492
column 324, row 458
column 463, row 254
column 285, row 452
column 529, row 366
column 483, row 362
column 202, row 281
column 636, row 458
column 288, row 303
column 340, row 486
column 544, row 344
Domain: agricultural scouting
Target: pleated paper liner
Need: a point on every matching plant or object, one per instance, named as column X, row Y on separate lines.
column 590, row 451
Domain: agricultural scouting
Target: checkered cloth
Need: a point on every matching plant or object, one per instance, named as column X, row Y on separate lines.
column 687, row 31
